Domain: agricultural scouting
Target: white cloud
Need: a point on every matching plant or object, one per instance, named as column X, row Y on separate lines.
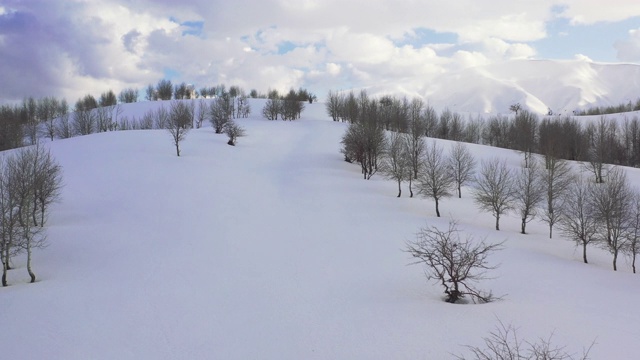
column 594, row 11
column 629, row 50
column 336, row 43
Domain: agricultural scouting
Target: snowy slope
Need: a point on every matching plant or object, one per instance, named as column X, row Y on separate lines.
column 277, row 249
column 559, row 85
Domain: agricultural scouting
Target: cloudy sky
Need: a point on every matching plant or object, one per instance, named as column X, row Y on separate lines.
column 70, row 48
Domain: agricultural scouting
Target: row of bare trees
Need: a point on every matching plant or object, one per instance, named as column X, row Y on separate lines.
column 545, row 187
column 30, row 181
column 605, row 141
column 287, row 107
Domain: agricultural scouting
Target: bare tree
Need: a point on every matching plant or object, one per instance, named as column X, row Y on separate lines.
column 63, row 127
column 461, row 165
column 9, row 225
column 556, row 178
column 271, row 109
column 632, row 242
column 47, row 111
column 220, row 112
column 233, row 131
column 611, row 203
column 578, row 222
column 202, row 113
column 529, row 192
column 394, row 165
column 434, row 180
column 493, row 189
column 602, row 142
column 524, row 134
column 503, row 343
column 162, row 119
column 179, row 122
column 23, row 169
column 164, row 90
column 129, row 95
column 414, row 140
column 456, row 263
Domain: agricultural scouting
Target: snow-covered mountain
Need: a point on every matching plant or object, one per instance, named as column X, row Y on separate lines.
column 277, row 249
column 560, row 85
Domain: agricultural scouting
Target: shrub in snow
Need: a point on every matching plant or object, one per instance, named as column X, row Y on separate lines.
column 504, row 343
column 233, row 131
column 456, row 263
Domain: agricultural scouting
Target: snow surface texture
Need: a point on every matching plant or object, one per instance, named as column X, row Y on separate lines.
column 277, row 249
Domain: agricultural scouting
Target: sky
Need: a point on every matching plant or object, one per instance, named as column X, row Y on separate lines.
column 71, row 48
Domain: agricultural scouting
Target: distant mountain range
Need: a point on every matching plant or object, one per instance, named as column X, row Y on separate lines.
column 561, row 86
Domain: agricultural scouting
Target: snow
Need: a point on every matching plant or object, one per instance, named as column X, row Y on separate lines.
column 539, row 85
column 278, row 249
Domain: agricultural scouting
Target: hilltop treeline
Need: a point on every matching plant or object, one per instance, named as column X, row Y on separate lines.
column 607, row 141
column 52, row 118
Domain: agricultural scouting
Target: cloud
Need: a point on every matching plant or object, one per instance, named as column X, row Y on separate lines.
column 76, row 47
column 629, row 50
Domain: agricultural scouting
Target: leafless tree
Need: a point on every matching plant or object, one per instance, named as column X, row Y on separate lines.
column 164, row 90
column 30, row 119
column 461, row 165
column 434, row 180
column 162, row 119
column 611, row 203
column 414, row 140
column 243, row 108
column 202, row 113
column 632, row 241
column 23, row 169
column 457, row 263
column 578, row 222
column 529, row 193
column 63, row 127
column 503, row 343
column 556, row 179
column 332, row 105
column 47, row 112
column 493, row 189
column 394, row 165
column 233, row 131
column 271, row 109
column 146, row 122
column 129, row 95
column 11, row 130
column 220, row 112
column 9, row 224
column 84, row 117
column 602, row 142
column 524, row 134
column 179, row 122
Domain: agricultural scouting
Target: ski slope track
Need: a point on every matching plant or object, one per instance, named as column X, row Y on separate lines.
column 278, row 249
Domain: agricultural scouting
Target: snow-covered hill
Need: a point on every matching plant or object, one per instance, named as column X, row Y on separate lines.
column 540, row 85
column 277, row 249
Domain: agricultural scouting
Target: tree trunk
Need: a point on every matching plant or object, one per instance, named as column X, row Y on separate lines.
column 437, row 208
column 459, row 192
column 498, row 222
column 31, row 274
column 615, row 260
column 633, row 262
column 550, row 231
column 523, row 226
column 410, row 189
column 584, row 253
column 5, row 267
column 399, row 188
column 177, row 149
